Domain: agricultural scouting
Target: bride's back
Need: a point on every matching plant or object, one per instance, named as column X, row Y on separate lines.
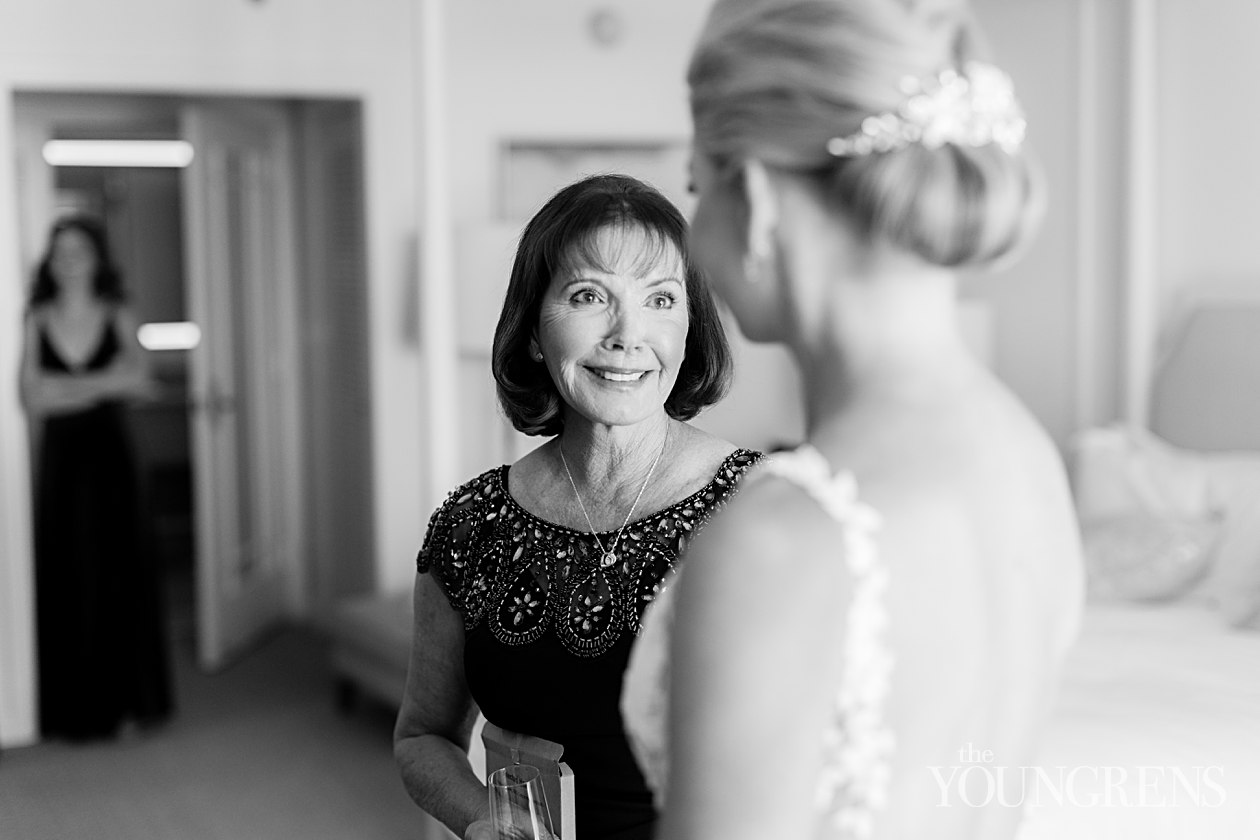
column 982, row 551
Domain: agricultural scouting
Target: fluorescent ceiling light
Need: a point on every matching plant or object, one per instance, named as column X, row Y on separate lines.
column 168, row 153
column 169, row 335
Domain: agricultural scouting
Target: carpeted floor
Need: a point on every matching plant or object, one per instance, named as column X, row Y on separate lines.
column 257, row 752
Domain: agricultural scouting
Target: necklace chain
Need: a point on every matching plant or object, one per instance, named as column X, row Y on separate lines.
column 608, row 555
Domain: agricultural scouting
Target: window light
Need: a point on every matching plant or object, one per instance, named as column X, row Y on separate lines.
column 147, row 153
column 169, row 335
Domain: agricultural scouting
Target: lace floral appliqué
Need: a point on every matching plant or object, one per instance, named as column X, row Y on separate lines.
column 858, row 744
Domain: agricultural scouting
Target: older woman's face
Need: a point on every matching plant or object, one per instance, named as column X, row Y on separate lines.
column 613, row 329
column 74, row 259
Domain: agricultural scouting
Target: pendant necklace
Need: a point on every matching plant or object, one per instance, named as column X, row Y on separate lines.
column 608, row 556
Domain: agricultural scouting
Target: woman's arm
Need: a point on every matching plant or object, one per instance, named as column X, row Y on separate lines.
column 128, row 376
column 28, row 369
column 435, row 722
column 760, row 616
column 43, row 393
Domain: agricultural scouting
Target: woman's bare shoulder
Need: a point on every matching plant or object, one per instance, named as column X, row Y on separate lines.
column 696, row 458
column 533, row 460
column 702, row 445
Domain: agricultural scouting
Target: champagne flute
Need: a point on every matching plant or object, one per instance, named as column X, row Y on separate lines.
column 518, row 806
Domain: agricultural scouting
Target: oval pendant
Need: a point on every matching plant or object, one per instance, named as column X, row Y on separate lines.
column 609, row 559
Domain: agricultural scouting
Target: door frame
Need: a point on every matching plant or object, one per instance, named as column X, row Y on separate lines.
column 27, row 123
column 227, row 620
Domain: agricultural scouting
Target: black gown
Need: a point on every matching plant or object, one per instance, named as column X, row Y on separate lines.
column 101, row 630
column 549, row 627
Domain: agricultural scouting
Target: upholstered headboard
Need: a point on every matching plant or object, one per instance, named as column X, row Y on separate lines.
column 1206, row 392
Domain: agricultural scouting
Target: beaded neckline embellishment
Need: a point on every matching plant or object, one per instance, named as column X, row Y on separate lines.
column 522, row 577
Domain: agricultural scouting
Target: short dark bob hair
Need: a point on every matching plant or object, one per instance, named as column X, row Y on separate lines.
column 107, row 285
column 567, row 224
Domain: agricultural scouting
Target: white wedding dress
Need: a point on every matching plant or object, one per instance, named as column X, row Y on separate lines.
column 857, row 744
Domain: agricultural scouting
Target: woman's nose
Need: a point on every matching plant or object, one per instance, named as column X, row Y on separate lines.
column 626, row 330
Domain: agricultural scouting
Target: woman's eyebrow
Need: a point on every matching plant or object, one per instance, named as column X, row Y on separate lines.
column 660, row 281
column 579, row 279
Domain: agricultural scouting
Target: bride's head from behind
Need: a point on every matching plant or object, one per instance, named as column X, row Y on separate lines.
column 882, row 116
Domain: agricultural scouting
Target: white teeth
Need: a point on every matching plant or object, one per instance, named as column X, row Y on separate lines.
column 621, row 377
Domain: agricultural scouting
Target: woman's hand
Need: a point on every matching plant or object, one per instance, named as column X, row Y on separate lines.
column 60, row 394
column 129, row 381
column 480, row 830
column 484, row 830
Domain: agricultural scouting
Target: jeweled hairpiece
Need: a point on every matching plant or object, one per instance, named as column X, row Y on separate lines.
column 974, row 107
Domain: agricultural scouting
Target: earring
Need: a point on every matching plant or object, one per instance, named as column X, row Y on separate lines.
column 538, row 356
column 757, row 266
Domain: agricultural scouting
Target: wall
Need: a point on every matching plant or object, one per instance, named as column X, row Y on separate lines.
column 534, row 71
column 333, row 352
column 1208, row 137
column 1035, row 301
column 348, row 48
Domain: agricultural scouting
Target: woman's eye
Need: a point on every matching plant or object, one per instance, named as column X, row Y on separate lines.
column 585, row 296
column 663, row 300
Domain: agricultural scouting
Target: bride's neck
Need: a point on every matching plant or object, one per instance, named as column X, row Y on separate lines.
column 892, row 338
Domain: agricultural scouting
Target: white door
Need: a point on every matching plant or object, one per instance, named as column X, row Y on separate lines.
column 235, row 242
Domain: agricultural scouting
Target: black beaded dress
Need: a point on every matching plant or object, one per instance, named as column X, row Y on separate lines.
column 548, row 628
column 101, row 637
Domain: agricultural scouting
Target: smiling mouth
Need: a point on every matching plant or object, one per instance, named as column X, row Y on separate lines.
column 619, row 375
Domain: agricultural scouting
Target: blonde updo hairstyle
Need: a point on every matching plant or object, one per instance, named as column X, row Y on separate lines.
column 775, row 80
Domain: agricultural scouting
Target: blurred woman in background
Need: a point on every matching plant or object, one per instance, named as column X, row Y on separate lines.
column 102, row 649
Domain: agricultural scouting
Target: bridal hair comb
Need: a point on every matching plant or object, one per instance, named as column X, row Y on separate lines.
column 972, row 107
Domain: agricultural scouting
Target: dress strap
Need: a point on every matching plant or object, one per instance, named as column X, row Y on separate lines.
column 858, row 745
column 835, row 493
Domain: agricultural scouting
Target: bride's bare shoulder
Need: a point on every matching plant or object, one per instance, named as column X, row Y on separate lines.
column 770, row 525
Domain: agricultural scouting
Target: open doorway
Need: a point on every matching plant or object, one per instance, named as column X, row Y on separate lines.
column 140, row 210
column 255, row 455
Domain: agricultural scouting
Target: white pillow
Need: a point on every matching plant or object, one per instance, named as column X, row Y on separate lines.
column 1141, row 557
column 1234, row 583
column 1120, row 472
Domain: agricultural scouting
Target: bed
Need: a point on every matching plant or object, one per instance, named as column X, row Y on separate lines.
column 1159, row 709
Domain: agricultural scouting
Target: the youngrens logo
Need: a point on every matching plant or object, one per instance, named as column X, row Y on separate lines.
column 977, row 781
